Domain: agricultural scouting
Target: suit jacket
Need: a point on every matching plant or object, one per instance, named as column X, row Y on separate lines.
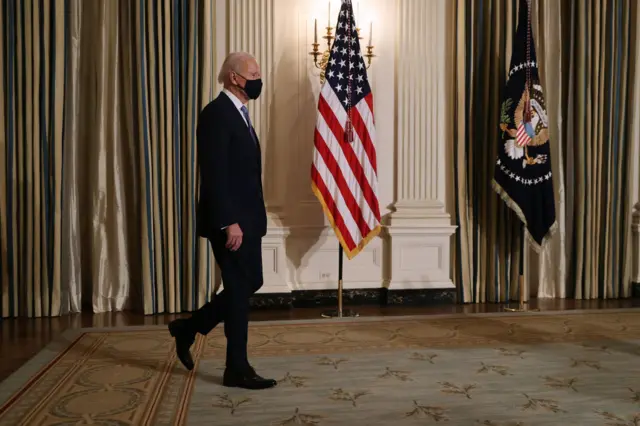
column 230, row 165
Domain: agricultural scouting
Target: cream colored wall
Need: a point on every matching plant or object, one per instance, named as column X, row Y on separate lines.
column 409, row 82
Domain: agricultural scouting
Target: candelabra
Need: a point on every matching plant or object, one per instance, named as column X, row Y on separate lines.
column 323, row 56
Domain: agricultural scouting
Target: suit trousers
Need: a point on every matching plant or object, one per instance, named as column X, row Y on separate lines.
column 241, row 277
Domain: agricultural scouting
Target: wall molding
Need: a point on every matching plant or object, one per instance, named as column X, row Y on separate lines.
column 403, row 258
column 354, row 297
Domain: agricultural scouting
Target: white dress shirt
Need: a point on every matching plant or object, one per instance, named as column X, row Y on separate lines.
column 237, row 102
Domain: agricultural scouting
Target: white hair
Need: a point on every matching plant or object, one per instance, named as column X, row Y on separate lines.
column 232, row 62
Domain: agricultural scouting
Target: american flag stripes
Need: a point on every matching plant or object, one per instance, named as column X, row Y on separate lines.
column 344, row 172
column 522, row 138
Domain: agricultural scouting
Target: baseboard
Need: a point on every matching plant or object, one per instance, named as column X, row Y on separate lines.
column 354, row 297
column 635, row 290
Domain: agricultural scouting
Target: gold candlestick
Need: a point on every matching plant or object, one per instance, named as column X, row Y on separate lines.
column 369, row 55
column 322, row 63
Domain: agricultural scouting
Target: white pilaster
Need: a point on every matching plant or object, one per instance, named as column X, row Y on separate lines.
column 251, row 28
column 419, row 229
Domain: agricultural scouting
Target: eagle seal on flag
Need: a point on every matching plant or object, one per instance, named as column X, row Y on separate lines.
column 523, row 176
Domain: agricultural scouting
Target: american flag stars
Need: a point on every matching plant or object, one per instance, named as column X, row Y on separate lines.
column 346, row 70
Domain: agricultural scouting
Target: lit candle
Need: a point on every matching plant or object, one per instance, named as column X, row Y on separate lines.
column 370, row 33
column 329, row 18
column 315, row 31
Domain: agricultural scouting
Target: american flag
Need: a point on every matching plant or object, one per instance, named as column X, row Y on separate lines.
column 522, row 138
column 344, row 172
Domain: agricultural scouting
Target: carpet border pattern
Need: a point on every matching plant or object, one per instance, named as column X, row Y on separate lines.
column 163, row 409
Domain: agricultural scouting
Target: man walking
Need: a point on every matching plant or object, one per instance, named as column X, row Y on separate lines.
column 231, row 214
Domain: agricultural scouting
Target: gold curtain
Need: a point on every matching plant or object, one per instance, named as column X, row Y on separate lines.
column 145, row 72
column 173, row 63
column 100, row 161
column 101, row 211
column 600, row 88
column 32, row 75
column 587, row 69
column 488, row 243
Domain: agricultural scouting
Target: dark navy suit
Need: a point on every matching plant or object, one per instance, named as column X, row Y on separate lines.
column 230, row 165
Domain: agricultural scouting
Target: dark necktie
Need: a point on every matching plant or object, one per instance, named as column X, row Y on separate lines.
column 245, row 112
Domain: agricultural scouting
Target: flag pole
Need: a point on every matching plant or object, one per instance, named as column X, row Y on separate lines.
column 521, row 285
column 527, row 117
column 339, row 313
column 346, row 35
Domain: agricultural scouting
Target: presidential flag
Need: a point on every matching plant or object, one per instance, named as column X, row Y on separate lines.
column 344, row 172
column 523, row 175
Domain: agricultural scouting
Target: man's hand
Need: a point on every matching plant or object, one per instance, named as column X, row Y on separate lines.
column 234, row 237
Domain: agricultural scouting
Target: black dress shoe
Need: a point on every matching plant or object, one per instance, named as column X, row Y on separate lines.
column 246, row 380
column 184, row 339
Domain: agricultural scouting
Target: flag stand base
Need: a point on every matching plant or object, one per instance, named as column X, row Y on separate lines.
column 522, row 307
column 336, row 313
column 340, row 313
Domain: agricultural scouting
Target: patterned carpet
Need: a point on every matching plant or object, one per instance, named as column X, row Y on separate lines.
column 579, row 368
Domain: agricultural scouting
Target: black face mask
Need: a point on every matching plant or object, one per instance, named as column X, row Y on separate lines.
column 253, row 88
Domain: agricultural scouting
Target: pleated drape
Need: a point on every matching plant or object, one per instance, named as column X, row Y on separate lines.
column 171, row 88
column 32, row 74
column 600, row 82
column 102, row 99
column 100, row 235
column 489, row 239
